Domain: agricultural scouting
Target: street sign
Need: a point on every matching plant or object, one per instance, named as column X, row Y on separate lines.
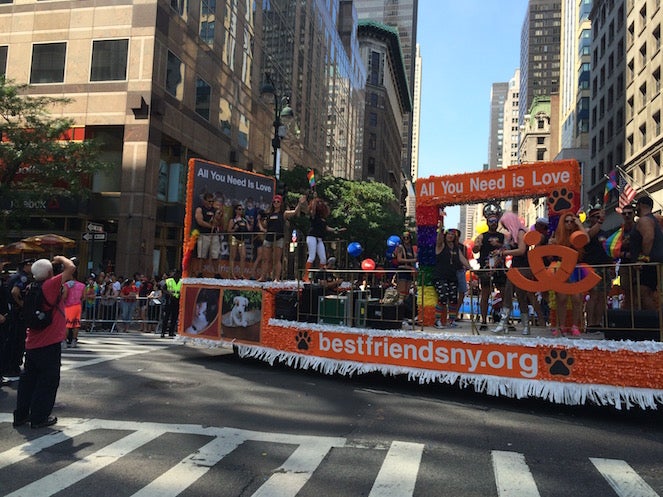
column 95, row 237
column 95, row 228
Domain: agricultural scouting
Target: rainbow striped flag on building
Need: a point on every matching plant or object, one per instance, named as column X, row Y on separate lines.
column 311, row 178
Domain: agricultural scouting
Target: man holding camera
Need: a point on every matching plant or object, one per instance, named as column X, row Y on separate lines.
column 40, row 379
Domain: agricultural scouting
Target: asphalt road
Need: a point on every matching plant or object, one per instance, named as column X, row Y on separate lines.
column 140, row 415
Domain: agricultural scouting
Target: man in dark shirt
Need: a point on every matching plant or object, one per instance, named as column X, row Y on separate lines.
column 15, row 338
column 492, row 272
column 595, row 255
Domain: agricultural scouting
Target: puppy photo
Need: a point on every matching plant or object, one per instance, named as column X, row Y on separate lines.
column 238, row 312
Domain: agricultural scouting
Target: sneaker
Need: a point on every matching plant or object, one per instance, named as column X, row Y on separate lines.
column 575, row 331
column 68, row 345
column 438, row 324
column 452, row 324
column 74, row 343
column 483, row 327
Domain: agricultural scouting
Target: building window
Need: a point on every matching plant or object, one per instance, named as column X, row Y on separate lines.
column 203, row 94
column 225, row 116
column 174, row 76
column 372, row 119
column 180, row 6
column 3, row 60
column 207, row 21
column 540, row 154
column 48, row 63
column 540, row 140
column 657, row 123
column 109, row 60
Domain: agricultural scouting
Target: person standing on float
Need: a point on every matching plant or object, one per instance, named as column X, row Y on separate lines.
column 491, row 272
column 315, row 240
column 274, row 239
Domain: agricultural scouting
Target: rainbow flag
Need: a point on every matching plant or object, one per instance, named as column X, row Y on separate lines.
column 311, row 178
column 610, row 185
column 613, row 244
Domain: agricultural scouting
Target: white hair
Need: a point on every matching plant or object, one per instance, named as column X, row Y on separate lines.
column 41, row 269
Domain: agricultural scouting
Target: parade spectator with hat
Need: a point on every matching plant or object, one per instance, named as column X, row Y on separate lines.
column 491, row 274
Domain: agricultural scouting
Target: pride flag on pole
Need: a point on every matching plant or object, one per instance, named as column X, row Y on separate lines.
column 311, row 178
column 610, row 184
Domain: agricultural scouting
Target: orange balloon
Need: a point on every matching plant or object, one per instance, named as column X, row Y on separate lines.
column 579, row 239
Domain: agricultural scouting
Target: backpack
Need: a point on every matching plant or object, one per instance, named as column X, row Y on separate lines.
column 37, row 312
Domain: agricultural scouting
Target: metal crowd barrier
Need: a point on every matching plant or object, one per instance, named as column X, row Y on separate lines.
column 106, row 313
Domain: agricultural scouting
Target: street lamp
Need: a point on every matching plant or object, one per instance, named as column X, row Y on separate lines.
column 282, row 111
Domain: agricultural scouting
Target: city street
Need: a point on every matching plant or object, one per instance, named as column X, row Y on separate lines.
column 142, row 415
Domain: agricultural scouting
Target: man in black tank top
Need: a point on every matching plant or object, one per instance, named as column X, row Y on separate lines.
column 647, row 247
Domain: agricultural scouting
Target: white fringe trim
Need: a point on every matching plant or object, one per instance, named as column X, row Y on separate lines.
column 556, row 392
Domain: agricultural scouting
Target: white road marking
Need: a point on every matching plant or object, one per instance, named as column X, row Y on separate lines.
column 191, row 468
column 289, row 479
column 398, row 474
column 67, row 476
column 512, row 475
column 622, row 478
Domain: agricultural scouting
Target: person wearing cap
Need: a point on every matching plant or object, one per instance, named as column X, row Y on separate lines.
column 646, row 242
column 276, row 217
column 14, row 348
column 492, row 273
column 38, row 385
column 595, row 255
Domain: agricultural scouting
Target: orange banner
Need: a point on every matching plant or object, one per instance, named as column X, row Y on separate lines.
column 525, row 180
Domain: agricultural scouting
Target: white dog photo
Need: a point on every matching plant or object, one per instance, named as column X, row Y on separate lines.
column 238, row 312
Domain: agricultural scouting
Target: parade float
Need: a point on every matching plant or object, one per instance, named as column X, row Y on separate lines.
column 242, row 314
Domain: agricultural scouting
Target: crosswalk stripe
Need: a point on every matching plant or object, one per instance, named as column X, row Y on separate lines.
column 191, row 468
column 67, row 476
column 70, row 428
column 398, row 474
column 622, row 478
column 296, row 470
column 512, row 475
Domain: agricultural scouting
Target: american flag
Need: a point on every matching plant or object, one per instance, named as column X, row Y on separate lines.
column 627, row 193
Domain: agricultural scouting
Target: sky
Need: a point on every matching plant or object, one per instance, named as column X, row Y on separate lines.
column 465, row 46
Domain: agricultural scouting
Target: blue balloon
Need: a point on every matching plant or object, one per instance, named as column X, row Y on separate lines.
column 355, row 249
column 393, row 240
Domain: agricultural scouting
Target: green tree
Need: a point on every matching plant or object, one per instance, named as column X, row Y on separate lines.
column 38, row 159
column 369, row 210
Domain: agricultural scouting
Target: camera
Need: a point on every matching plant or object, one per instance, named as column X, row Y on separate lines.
column 58, row 267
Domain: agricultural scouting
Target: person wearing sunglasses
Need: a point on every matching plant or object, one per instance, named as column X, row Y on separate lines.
column 276, row 217
column 594, row 254
column 237, row 226
column 569, row 223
